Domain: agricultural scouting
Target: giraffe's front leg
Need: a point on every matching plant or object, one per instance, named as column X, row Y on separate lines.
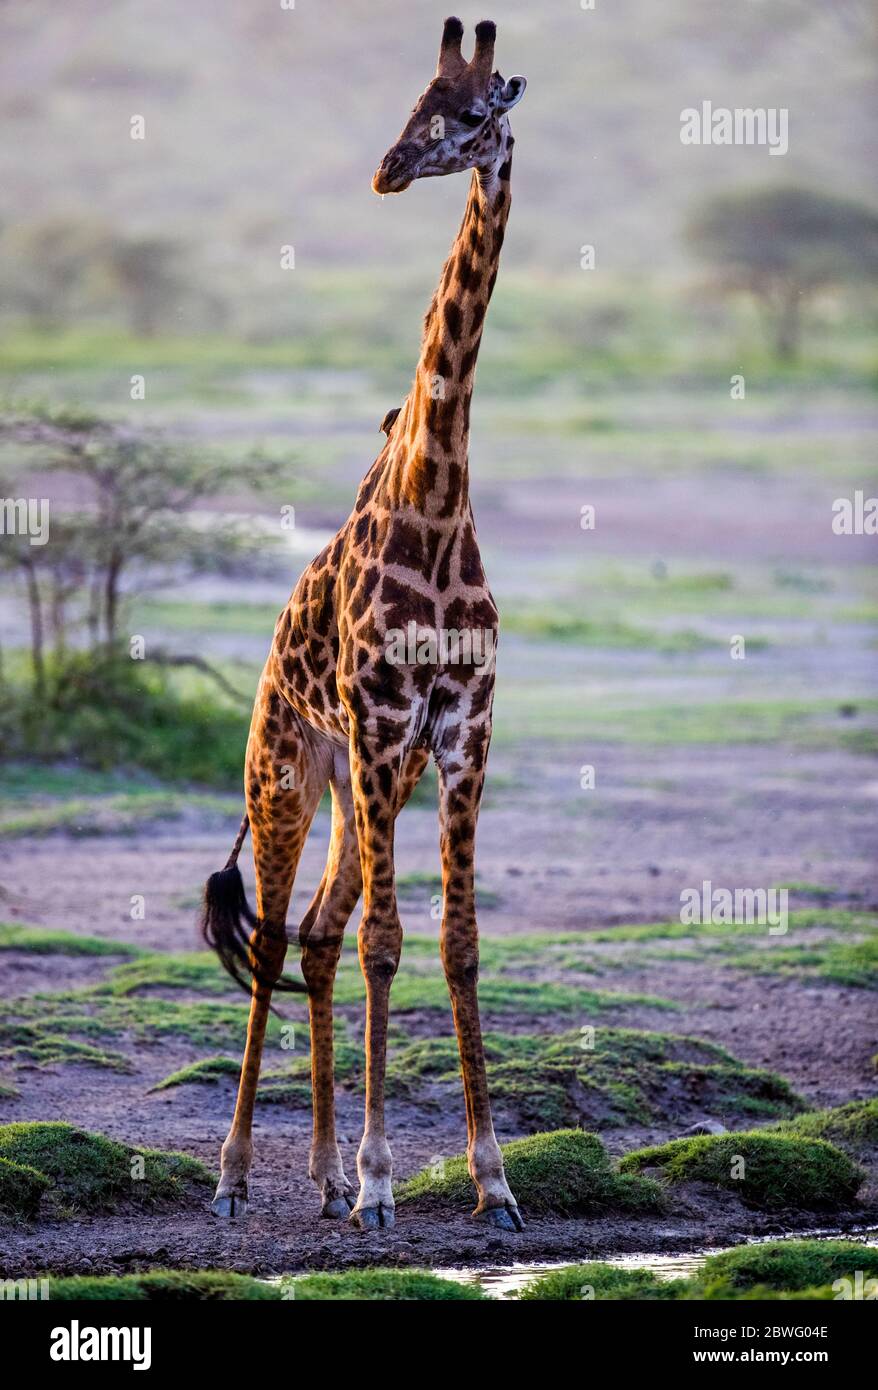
column 376, row 775
column 461, row 777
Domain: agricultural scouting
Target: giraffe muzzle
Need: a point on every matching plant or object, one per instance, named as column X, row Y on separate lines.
column 396, row 171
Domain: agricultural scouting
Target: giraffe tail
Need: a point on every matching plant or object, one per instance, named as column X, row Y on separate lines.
column 229, row 926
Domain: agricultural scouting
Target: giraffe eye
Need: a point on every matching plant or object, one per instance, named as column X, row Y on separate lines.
column 472, row 118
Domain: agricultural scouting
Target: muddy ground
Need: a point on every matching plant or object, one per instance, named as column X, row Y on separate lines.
column 819, row 1035
column 726, row 782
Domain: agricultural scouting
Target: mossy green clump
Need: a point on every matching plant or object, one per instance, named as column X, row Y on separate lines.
column 765, row 1170
column 550, row 1080
column 165, row 1285
column 21, row 1188
column 596, row 1281
column 381, row 1284
column 787, row 1265
column 89, row 1172
column 853, row 1126
column 206, row 1072
column 783, row 1269
column 566, row 1172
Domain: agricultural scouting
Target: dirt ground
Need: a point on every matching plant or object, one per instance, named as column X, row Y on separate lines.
column 668, row 812
column 625, row 865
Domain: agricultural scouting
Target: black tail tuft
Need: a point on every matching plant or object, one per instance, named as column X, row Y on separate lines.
column 228, row 924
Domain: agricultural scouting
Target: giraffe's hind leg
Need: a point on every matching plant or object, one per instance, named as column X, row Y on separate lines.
column 287, row 769
column 321, row 936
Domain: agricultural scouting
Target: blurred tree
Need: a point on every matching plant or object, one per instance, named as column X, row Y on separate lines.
column 49, row 267
column 149, row 280
column 782, row 245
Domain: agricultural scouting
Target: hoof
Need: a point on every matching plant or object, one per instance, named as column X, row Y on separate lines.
column 506, row 1218
column 229, row 1206
column 372, row 1218
column 335, row 1208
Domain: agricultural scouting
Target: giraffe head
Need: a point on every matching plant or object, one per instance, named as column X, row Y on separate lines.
column 460, row 120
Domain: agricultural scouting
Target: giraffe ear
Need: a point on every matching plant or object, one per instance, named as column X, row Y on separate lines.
column 512, row 93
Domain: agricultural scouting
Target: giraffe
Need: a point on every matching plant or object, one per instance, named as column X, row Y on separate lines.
column 333, row 708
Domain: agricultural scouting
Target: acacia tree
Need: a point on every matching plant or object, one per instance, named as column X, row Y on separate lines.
column 783, row 245
column 132, row 528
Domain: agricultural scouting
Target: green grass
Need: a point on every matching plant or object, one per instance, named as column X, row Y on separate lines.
column 600, row 1281
column 21, row 1188
column 121, row 713
column 795, row 1269
column 89, row 1172
column 290, row 1085
column 544, row 1080
column 165, row 1285
column 380, row 1285
column 853, row 1126
column 525, row 710
column 787, row 1265
column 807, row 890
column 504, row 997
column 217, row 1285
column 566, row 1172
column 68, row 1025
column 198, row 971
column 188, row 615
column 418, row 881
column 548, row 1080
column 553, row 625
column 805, row 919
column 121, row 814
column 207, row 1072
column 421, row 988
column 791, row 1269
column 765, row 1170
column 46, row 941
column 854, row 964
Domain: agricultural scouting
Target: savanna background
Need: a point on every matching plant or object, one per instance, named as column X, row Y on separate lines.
column 199, row 414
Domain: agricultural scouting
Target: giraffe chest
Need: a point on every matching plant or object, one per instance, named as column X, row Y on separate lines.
column 392, row 624
column 417, row 625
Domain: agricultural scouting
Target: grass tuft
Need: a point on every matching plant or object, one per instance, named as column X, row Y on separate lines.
column 787, row 1265
column 765, row 1170
column 165, row 1285
column 207, row 1072
column 382, row 1284
column 853, row 1126
column 566, row 1172
column 600, row 1281
column 21, row 1188
column 89, row 1172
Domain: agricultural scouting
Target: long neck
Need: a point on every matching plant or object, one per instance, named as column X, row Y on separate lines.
column 432, row 432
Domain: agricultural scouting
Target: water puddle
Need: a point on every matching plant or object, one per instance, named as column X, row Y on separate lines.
column 505, row 1282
